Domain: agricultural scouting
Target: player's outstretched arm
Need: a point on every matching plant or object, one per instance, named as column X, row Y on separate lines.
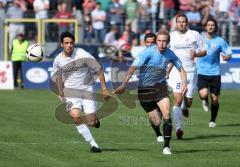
column 59, row 85
column 198, row 54
column 169, row 70
column 183, row 76
column 130, row 72
column 105, row 93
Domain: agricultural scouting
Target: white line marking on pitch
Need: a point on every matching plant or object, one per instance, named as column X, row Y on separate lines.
column 121, row 143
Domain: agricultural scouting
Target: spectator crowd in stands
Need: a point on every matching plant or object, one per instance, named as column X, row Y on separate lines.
column 119, row 21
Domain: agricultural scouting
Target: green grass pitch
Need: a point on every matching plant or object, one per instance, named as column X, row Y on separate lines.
column 31, row 136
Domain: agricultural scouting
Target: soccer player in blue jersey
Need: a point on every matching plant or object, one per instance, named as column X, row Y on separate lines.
column 150, row 39
column 208, row 68
column 152, row 64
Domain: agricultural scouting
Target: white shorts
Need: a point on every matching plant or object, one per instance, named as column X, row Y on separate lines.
column 84, row 105
column 175, row 82
column 82, row 99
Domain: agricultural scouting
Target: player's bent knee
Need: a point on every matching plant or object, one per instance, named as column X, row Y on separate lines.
column 77, row 120
column 189, row 105
column 177, row 102
column 91, row 124
column 166, row 116
column 91, row 120
column 155, row 121
column 215, row 102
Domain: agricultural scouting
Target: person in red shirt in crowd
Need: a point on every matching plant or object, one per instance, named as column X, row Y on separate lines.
column 63, row 14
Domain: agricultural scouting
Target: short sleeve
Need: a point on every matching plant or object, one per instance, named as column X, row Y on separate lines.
column 141, row 59
column 57, row 70
column 225, row 49
column 89, row 60
column 55, row 66
column 201, row 45
column 176, row 61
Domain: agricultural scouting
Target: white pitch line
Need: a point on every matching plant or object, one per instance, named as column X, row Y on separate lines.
column 121, row 143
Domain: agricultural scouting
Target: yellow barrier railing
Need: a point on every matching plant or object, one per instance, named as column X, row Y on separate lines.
column 40, row 30
column 74, row 21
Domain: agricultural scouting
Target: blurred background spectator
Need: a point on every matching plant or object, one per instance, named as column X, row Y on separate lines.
column 131, row 10
column 194, row 18
column 117, row 13
column 63, row 13
column 145, row 16
column 98, row 17
column 79, row 17
column 222, row 16
column 103, row 22
column 111, row 37
column 15, row 11
column 41, row 8
column 104, row 4
column 169, row 11
column 2, row 10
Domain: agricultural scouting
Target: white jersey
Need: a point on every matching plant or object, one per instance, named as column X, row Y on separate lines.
column 98, row 14
column 77, row 71
column 182, row 44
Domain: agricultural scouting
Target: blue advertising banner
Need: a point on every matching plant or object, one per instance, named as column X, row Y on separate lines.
column 37, row 75
column 235, row 56
column 115, row 72
column 230, row 76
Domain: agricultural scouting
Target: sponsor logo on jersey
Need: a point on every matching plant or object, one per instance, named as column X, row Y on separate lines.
column 183, row 46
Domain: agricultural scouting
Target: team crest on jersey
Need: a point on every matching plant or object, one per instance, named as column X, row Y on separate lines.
column 213, row 47
column 164, row 62
column 74, row 63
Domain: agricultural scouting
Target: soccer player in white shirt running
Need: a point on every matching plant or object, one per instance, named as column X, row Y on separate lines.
column 186, row 44
column 75, row 69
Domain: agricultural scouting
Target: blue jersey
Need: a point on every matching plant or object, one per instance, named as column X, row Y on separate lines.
column 210, row 64
column 152, row 65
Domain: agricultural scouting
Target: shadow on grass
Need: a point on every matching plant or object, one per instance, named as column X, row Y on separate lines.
column 226, row 125
column 209, row 137
column 123, row 149
column 196, row 151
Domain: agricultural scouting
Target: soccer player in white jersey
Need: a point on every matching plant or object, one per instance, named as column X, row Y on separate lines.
column 152, row 64
column 208, row 68
column 75, row 86
column 186, row 44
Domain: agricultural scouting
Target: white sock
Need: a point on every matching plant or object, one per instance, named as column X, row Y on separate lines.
column 177, row 115
column 86, row 134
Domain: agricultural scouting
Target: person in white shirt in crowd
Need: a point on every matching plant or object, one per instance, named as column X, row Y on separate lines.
column 41, row 8
column 98, row 21
column 16, row 12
